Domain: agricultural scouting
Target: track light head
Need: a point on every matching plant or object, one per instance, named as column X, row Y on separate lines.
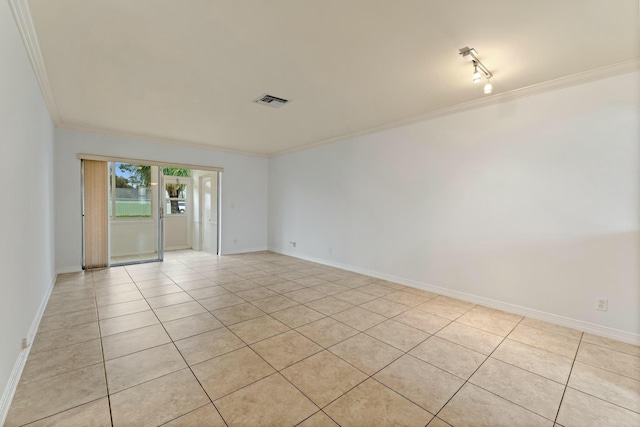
column 488, row 87
column 476, row 74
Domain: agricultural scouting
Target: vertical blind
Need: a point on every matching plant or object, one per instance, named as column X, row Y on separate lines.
column 96, row 214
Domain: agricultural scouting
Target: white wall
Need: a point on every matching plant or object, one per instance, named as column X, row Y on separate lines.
column 26, row 216
column 532, row 203
column 244, row 192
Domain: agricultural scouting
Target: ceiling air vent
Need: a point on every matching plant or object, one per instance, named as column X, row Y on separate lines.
column 270, row 101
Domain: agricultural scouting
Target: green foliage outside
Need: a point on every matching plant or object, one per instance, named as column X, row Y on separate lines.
column 140, row 177
column 132, row 209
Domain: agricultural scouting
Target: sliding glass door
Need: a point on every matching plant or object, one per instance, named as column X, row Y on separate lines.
column 134, row 210
column 135, row 213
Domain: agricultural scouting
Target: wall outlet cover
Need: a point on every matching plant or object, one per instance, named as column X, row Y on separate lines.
column 602, row 304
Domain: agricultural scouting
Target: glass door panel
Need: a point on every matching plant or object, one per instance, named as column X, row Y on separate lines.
column 177, row 205
column 209, row 237
column 135, row 227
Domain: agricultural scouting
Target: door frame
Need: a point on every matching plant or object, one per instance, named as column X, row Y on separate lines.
column 189, row 181
column 201, row 202
column 159, row 209
column 161, row 164
column 109, row 194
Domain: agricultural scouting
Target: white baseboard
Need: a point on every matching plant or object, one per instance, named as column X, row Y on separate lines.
column 177, row 248
column 12, row 384
column 64, row 270
column 236, row 251
column 580, row 325
column 16, row 373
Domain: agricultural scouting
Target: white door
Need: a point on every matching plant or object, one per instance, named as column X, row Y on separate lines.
column 178, row 215
column 209, row 185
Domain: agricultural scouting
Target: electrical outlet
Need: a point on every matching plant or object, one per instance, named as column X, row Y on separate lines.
column 602, row 304
column 24, row 343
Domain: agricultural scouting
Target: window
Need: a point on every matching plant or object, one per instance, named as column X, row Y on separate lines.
column 130, row 190
column 176, row 195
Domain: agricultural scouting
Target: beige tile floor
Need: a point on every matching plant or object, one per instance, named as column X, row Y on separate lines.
column 263, row 339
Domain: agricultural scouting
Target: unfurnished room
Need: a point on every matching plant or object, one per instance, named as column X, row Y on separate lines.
column 353, row 213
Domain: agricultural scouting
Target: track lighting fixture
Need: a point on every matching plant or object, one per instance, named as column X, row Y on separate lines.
column 469, row 54
column 476, row 74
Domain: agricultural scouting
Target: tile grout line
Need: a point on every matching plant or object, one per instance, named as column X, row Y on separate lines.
column 191, row 412
column 327, row 349
column 320, row 409
column 527, row 370
column 478, row 368
column 279, row 371
column 276, row 371
column 104, row 362
column 379, row 370
column 437, row 367
column 607, row 370
column 575, row 357
column 358, row 369
column 587, row 393
column 487, row 358
column 187, row 364
column 160, row 323
column 53, row 376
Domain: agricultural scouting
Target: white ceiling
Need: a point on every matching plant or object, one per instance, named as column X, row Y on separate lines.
column 188, row 70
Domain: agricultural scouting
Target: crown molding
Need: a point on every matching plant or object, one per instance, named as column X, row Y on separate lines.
column 536, row 89
column 158, row 140
column 22, row 16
